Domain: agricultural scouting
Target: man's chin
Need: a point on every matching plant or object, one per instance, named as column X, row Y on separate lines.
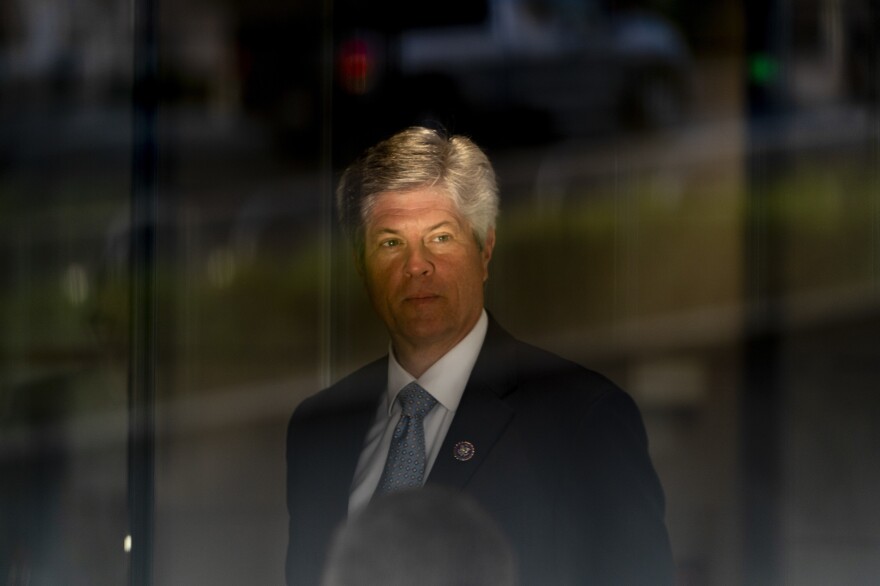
column 426, row 329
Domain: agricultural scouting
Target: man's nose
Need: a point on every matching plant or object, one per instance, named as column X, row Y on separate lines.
column 418, row 261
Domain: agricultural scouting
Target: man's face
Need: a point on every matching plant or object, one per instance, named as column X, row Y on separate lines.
column 423, row 268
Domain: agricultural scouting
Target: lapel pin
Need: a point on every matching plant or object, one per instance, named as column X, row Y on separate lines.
column 463, row 451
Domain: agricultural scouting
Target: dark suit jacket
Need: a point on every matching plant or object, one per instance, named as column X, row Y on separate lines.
column 561, row 463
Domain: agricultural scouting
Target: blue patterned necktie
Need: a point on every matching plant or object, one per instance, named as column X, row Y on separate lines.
column 405, row 467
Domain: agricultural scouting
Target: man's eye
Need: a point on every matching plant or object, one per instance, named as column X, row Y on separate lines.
column 442, row 238
column 390, row 243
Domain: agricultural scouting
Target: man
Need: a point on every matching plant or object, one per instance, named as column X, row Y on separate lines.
column 554, row 453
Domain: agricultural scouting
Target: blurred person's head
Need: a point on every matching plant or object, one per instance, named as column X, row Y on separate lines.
column 429, row 536
column 418, row 158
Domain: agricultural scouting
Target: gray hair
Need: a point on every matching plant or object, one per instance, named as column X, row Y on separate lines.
column 412, row 159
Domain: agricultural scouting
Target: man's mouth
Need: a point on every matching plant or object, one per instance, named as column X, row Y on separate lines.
column 421, row 297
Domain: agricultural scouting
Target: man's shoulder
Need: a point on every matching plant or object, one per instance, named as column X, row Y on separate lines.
column 530, row 364
column 538, row 367
column 354, row 391
column 550, row 387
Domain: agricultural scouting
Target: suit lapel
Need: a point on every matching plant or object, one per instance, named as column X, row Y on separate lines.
column 355, row 411
column 482, row 415
column 351, row 429
column 328, row 434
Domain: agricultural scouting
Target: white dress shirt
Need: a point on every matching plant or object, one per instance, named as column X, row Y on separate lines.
column 445, row 380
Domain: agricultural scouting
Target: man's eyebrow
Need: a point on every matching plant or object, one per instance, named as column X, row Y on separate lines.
column 393, row 232
column 441, row 225
column 381, row 231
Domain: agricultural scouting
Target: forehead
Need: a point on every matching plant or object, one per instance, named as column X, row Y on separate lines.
column 412, row 204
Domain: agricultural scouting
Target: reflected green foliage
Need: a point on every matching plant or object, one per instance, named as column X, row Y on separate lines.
column 630, row 250
column 825, row 215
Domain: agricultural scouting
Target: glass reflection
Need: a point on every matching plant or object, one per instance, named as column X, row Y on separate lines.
column 690, row 196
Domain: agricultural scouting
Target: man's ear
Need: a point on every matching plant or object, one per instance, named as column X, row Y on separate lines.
column 486, row 252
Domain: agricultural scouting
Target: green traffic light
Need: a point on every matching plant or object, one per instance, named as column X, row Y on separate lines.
column 763, row 68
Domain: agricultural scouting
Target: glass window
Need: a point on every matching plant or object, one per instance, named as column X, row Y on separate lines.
column 690, row 205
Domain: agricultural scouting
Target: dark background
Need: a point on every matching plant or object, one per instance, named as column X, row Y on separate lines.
column 690, row 204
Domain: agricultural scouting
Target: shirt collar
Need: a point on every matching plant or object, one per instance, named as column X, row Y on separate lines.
column 446, row 378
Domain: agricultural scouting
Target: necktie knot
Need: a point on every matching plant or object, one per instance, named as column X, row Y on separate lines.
column 415, row 401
